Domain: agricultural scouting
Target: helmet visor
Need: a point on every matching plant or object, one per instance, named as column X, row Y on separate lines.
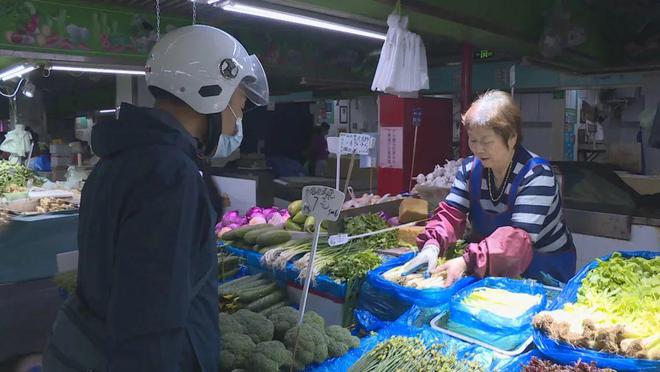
column 256, row 86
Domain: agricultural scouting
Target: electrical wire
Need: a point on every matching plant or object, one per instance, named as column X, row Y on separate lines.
column 18, row 86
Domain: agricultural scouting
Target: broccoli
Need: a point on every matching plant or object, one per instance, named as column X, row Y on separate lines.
column 314, row 320
column 340, row 340
column 257, row 326
column 269, row 356
column 283, row 320
column 235, row 349
column 228, row 324
column 312, row 346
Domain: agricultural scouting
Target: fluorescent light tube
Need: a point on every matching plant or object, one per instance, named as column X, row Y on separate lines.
column 299, row 19
column 16, row 72
column 108, row 111
column 96, row 70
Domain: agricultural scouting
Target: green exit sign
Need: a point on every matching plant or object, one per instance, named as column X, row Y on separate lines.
column 484, row 54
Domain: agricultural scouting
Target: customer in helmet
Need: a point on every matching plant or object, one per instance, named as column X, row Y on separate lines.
column 147, row 294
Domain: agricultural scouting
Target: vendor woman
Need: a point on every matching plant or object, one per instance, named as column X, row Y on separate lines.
column 512, row 199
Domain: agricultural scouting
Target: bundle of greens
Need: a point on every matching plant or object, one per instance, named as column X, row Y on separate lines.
column 500, row 302
column 15, row 177
column 369, row 223
column 346, row 262
column 616, row 310
column 411, row 354
column 67, row 280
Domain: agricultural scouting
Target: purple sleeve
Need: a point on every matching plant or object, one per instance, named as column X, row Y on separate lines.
column 447, row 224
column 506, row 252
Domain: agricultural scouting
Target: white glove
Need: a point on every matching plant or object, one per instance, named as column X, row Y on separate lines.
column 428, row 256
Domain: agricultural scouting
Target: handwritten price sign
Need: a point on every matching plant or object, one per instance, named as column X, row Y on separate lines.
column 324, row 203
column 355, row 142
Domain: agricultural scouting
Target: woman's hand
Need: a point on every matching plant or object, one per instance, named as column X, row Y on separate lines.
column 455, row 269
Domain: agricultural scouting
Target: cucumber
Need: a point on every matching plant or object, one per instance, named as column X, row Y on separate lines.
column 292, row 226
column 228, row 262
column 228, row 273
column 238, row 282
column 299, row 218
column 239, row 233
column 267, row 311
column 265, row 302
column 253, row 294
column 295, row 207
column 251, row 285
column 251, row 236
column 273, row 237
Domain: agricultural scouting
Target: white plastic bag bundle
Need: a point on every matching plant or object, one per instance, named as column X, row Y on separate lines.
column 18, row 143
column 402, row 67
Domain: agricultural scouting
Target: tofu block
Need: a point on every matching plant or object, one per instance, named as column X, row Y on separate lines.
column 409, row 234
column 413, row 210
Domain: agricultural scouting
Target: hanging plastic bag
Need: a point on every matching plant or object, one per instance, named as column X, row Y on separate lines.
column 18, row 143
column 388, row 52
column 484, row 324
column 568, row 354
column 432, row 297
column 402, row 68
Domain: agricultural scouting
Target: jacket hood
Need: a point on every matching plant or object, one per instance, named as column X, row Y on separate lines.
column 140, row 127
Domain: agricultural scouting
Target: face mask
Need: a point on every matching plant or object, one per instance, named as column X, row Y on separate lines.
column 229, row 144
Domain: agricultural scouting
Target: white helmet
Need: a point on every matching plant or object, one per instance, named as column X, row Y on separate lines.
column 203, row 66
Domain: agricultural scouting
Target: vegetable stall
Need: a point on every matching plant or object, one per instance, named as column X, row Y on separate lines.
column 364, row 315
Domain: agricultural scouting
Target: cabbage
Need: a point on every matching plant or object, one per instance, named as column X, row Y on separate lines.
column 257, row 219
column 254, row 211
column 276, row 219
column 230, row 217
column 269, row 212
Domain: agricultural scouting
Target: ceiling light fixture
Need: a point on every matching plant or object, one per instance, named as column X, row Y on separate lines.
column 108, row 111
column 98, row 70
column 28, row 89
column 277, row 15
column 16, row 71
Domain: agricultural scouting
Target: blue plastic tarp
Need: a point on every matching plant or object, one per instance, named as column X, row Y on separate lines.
column 431, row 297
column 502, row 332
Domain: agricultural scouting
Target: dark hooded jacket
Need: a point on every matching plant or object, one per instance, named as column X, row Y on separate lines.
column 147, row 262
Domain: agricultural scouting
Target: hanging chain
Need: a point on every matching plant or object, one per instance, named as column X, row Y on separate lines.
column 194, row 4
column 157, row 20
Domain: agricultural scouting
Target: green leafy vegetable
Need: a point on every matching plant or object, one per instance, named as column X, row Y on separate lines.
column 616, row 310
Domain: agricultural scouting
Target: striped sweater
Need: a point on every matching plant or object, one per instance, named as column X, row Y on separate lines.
column 537, row 208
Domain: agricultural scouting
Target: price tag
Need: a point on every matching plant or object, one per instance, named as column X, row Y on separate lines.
column 339, row 239
column 321, row 202
column 355, row 142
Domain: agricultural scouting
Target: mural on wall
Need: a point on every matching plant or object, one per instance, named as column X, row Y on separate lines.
column 70, row 28
column 56, row 26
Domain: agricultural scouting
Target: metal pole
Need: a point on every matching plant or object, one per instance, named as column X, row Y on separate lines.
column 466, row 93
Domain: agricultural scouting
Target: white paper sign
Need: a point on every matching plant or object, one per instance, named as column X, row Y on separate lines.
column 321, row 202
column 333, row 144
column 391, row 147
column 355, row 142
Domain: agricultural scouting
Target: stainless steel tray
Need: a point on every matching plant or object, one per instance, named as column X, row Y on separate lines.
column 439, row 323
